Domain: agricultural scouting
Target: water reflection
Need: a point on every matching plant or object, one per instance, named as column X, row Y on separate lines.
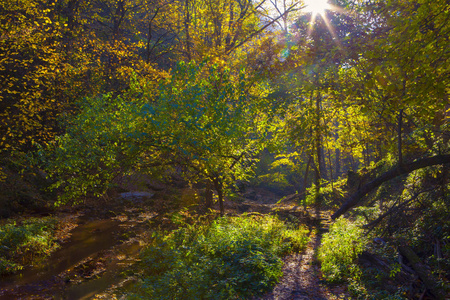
column 87, row 239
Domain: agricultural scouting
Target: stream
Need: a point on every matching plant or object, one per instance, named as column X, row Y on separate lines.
column 97, row 259
column 88, row 264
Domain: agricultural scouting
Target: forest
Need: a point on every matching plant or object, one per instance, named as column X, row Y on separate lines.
column 224, row 149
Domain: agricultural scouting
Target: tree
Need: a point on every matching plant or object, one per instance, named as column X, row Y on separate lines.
column 213, row 126
column 403, row 71
column 202, row 119
column 400, row 82
column 315, row 58
column 390, row 174
column 29, row 59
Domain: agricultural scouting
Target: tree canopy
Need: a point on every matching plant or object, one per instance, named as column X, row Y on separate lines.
column 202, row 87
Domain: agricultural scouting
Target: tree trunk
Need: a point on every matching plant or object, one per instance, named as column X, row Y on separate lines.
column 219, row 189
column 331, row 166
column 72, row 8
column 323, row 164
column 149, row 37
column 187, row 20
column 318, row 137
column 394, row 172
column 305, row 180
column 338, row 163
column 399, row 142
column 208, row 194
column 118, row 18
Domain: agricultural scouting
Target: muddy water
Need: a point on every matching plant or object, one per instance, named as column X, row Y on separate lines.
column 92, row 242
column 111, row 277
column 87, row 239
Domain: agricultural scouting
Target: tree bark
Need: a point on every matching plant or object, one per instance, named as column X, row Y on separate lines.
column 399, row 133
column 149, row 37
column 219, row 189
column 187, row 20
column 318, row 137
column 72, row 8
column 305, row 180
column 338, row 162
column 118, row 18
column 396, row 171
column 208, row 194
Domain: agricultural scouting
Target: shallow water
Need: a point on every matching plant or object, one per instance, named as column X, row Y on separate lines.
column 111, row 277
column 89, row 238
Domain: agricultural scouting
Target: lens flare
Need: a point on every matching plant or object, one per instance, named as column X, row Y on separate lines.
column 316, row 7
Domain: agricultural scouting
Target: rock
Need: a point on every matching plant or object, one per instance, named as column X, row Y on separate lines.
column 244, row 207
column 379, row 241
column 353, row 179
column 136, row 195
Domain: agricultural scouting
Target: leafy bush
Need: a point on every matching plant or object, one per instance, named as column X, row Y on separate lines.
column 329, row 194
column 276, row 182
column 234, row 257
column 24, row 244
column 279, row 173
column 340, row 249
column 8, row 267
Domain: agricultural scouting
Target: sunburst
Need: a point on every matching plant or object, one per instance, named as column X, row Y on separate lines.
column 316, row 7
column 319, row 8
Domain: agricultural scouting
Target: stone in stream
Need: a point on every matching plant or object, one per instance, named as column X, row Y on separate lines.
column 136, row 195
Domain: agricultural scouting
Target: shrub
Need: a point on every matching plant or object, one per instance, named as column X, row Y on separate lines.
column 340, row 249
column 276, row 182
column 8, row 267
column 329, row 193
column 25, row 243
column 234, row 257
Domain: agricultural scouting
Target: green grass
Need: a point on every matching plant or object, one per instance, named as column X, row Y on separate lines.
column 230, row 258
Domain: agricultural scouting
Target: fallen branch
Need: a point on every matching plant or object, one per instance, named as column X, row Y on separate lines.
column 391, row 174
column 426, row 276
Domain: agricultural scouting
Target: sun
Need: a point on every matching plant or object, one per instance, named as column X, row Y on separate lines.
column 316, row 7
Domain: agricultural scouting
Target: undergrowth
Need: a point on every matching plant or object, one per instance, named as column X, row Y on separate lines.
column 330, row 194
column 26, row 243
column 415, row 213
column 230, row 258
column 339, row 251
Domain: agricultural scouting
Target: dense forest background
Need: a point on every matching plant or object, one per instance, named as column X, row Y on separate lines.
column 222, row 94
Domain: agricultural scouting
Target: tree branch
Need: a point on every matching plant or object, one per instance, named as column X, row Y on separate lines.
column 394, row 172
column 290, row 9
column 393, row 209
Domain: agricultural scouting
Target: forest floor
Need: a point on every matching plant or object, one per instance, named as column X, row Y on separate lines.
column 101, row 242
column 302, row 278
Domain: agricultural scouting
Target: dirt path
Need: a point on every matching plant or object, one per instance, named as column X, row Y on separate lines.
column 300, row 279
column 302, row 276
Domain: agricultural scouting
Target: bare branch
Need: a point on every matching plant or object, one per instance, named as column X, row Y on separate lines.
column 248, row 38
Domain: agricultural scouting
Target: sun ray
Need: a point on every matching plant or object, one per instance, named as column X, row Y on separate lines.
column 316, row 7
column 311, row 24
column 333, row 33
